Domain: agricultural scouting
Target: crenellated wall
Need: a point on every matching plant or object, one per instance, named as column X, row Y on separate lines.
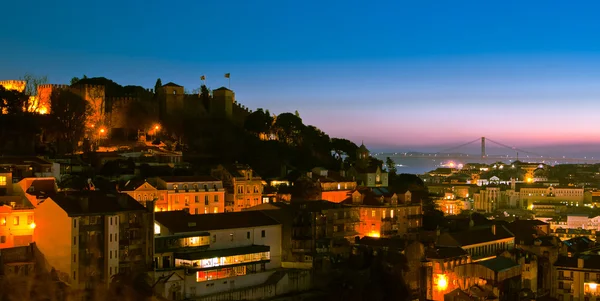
column 18, row 85
column 43, row 96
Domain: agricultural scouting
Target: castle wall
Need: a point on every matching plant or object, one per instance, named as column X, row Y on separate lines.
column 43, row 96
column 18, row 85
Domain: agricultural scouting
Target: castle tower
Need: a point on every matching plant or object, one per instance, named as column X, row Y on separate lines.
column 96, row 97
column 174, row 95
column 222, row 103
column 43, row 96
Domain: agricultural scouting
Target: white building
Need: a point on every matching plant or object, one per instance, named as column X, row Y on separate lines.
column 197, row 256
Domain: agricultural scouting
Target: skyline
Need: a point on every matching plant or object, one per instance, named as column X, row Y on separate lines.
column 402, row 76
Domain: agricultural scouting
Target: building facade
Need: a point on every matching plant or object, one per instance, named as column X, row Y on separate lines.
column 244, row 187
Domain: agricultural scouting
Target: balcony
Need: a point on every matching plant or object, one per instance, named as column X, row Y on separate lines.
column 569, row 278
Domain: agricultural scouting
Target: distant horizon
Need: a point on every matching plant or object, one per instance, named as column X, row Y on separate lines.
column 404, row 74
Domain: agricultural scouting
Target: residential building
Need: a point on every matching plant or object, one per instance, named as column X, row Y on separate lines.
column 489, row 198
column 145, row 191
column 16, row 222
column 90, row 236
column 383, row 214
column 233, row 255
column 18, row 261
column 480, row 242
column 335, row 186
column 28, row 167
column 577, row 278
column 531, row 194
column 198, row 194
column 244, row 187
column 439, row 271
column 529, row 267
column 315, row 232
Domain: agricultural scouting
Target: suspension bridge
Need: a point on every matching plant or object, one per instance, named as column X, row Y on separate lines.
column 506, row 153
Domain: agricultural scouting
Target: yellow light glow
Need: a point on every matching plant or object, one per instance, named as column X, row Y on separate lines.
column 157, row 127
column 102, row 130
column 43, row 111
column 451, row 164
column 529, row 180
column 373, row 234
column 593, row 286
column 441, row 282
column 32, row 225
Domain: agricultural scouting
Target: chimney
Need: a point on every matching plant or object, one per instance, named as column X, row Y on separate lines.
column 85, row 203
column 494, row 229
column 580, row 263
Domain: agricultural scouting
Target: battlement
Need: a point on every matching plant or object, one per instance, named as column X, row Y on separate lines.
column 18, row 85
column 53, row 86
column 121, row 100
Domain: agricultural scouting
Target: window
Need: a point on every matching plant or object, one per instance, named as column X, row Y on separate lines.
column 110, row 238
column 214, row 238
column 2, row 239
column 373, row 213
column 248, row 235
column 196, row 187
column 16, row 221
column 263, row 233
column 175, row 187
column 205, row 210
column 196, row 199
column 74, row 240
column 216, row 198
column 195, row 210
column 231, row 236
column 216, row 210
column 30, row 219
column 110, row 254
column 74, row 275
column 74, row 257
column 111, row 220
column 240, row 189
column 2, row 180
column 185, row 187
column 206, row 200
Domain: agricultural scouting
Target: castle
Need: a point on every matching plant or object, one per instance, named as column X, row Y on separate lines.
column 112, row 112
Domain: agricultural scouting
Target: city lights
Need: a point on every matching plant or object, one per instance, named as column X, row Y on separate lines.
column 32, row 225
column 441, row 282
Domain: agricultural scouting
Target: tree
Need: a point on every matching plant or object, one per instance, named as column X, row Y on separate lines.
column 306, row 189
column 158, row 87
column 258, row 122
column 289, row 127
column 69, row 115
column 33, row 82
column 343, row 147
column 391, row 166
column 13, row 102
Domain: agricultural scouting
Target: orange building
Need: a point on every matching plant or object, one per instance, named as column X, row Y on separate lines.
column 16, row 222
column 143, row 192
column 244, row 186
column 335, row 186
column 198, row 194
column 383, row 215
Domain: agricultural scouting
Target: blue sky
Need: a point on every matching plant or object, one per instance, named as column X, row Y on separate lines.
column 396, row 74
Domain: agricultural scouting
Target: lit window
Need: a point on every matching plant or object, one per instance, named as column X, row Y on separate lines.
column 16, row 221
column 2, row 181
column 156, row 228
column 216, row 210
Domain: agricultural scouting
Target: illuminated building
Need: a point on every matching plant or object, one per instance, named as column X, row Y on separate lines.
column 577, row 278
column 143, row 192
column 215, row 254
column 439, row 269
column 244, row 187
column 384, row 214
column 17, row 222
column 335, row 187
column 90, row 236
column 530, row 194
column 198, row 194
column 364, row 173
column 28, row 167
column 313, row 231
column 480, row 242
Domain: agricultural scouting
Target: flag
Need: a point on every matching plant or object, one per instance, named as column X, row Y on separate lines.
column 227, row 75
column 202, row 77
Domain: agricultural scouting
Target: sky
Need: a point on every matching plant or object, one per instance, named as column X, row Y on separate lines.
column 403, row 75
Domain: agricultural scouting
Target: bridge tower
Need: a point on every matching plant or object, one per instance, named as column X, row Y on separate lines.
column 482, row 147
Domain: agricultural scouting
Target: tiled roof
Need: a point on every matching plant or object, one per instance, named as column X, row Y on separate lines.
column 188, row 179
column 135, row 184
column 181, row 222
column 498, row 264
column 98, row 203
column 589, row 262
column 445, row 252
column 222, row 88
column 171, row 84
column 474, row 235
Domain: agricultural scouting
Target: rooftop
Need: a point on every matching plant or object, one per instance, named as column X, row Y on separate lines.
column 17, row 160
column 188, row 179
column 78, row 203
column 181, row 222
column 475, row 235
column 445, row 252
column 498, row 264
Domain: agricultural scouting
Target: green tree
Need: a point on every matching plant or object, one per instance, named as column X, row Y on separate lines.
column 69, row 114
column 13, row 102
column 258, row 122
column 306, row 189
column 391, row 166
column 343, row 147
column 289, row 127
column 158, row 87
